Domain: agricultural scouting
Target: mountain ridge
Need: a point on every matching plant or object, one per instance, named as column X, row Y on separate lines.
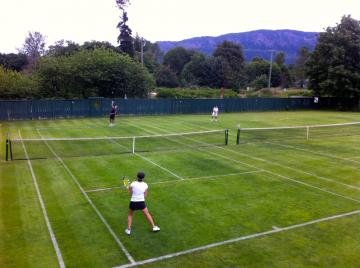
column 257, row 43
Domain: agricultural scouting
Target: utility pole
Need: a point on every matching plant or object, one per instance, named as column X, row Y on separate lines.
column 271, row 60
column 143, row 43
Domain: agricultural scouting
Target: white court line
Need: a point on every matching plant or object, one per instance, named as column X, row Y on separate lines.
column 270, row 172
column 184, row 180
column 304, row 172
column 241, row 238
column 353, row 157
column 285, row 177
column 211, row 177
column 43, row 208
column 102, row 189
column 163, row 168
column 152, row 162
column 117, row 240
column 314, row 152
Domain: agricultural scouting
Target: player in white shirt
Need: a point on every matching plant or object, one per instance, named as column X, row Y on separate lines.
column 138, row 191
column 215, row 113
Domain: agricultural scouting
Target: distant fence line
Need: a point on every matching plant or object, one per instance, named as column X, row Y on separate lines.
column 96, row 107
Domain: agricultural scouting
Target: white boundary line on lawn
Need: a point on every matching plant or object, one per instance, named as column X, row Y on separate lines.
column 314, row 152
column 270, row 172
column 286, row 177
column 301, row 171
column 241, row 238
column 117, row 240
column 43, row 208
column 152, row 162
column 211, row 177
column 163, row 168
column 175, row 181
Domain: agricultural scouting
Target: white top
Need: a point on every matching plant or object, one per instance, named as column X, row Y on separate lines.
column 138, row 189
column 215, row 111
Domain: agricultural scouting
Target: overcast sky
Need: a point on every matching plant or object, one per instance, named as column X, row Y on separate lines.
column 159, row 20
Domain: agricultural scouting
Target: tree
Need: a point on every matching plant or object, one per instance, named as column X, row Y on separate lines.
column 122, row 4
column 195, row 72
column 165, row 77
column 230, row 59
column 33, row 47
column 98, row 72
column 63, row 48
column 334, row 66
column 14, row 85
column 280, row 59
column 151, row 53
column 285, row 75
column 299, row 68
column 259, row 67
column 125, row 39
column 176, row 59
column 13, row 61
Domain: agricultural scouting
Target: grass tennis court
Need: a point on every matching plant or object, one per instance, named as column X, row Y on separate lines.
column 278, row 200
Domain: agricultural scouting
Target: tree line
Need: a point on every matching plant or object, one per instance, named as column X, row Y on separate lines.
column 137, row 66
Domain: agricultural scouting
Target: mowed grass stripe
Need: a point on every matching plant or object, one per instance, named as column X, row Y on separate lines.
column 108, row 171
column 25, row 241
column 197, row 213
column 103, row 220
column 213, row 177
column 306, row 163
column 268, row 163
column 322, row 189
column 346, row 248
column 292, row 247
column 278, row 163
column 43, row 208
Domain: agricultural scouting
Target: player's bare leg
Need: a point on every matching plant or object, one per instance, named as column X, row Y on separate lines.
column 130, row 219
column 150, row 220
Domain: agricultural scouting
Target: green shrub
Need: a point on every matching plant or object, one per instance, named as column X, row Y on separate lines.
column 14, row 85
column 193, row 93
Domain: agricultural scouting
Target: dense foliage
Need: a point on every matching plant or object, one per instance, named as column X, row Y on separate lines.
column 135, row 67
column 97, row 72
column 334, row 67
column 193, row 93
column 15, row 85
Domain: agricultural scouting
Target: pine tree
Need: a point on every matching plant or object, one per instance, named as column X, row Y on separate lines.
column 125, row 39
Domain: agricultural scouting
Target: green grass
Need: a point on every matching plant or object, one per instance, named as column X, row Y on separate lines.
column 199, row 195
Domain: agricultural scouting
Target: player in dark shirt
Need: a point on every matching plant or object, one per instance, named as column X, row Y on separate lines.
column 112, row 115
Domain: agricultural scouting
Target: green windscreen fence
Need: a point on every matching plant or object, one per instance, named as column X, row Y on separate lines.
column 95, row 107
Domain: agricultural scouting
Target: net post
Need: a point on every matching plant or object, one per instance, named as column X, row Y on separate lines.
column 307, row 132
column 238, row 136
column 7, row 150
column 226, row 136
column 133, row 145
column 8, row 153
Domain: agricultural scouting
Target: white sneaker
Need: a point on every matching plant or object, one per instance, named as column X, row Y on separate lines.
column 127, row 231
column 156, row 229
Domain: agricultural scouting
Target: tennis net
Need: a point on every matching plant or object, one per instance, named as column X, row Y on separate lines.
column 42, row 148
column 288, row 133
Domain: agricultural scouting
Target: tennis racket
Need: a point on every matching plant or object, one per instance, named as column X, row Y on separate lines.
column 126, row 182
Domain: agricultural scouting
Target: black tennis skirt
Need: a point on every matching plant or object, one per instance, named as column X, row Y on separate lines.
column 137, row 205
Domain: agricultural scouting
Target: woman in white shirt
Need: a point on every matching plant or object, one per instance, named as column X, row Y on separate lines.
column 138, row 191
column 214, row 114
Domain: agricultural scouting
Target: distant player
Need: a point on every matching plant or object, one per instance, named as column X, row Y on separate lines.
column 138, row 191
column 112, row 114
column 215, row 113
